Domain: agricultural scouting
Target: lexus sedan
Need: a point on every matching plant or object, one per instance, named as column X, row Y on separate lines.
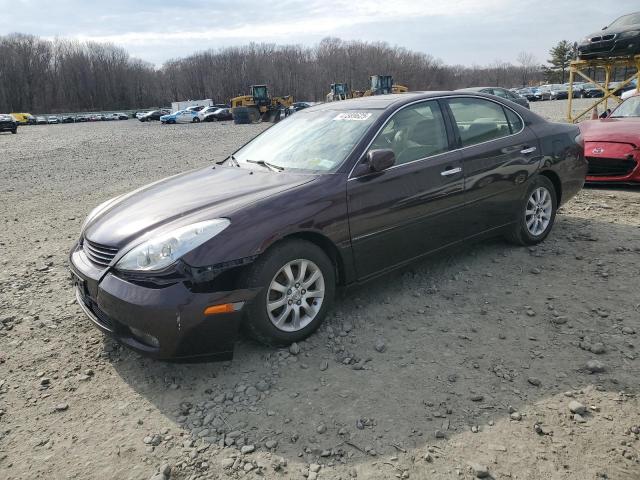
column 621, row 38
column 8, row 123
column 334, row 195
column 611, row 144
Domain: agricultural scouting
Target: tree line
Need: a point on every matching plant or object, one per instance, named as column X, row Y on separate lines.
column 40, row 75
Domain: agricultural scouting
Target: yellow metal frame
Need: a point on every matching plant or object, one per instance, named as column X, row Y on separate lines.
column 608, row 64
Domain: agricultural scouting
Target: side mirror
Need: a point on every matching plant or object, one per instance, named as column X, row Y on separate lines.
column 381, row 159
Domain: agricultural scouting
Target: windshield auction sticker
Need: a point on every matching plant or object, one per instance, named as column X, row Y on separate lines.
column 357, row 116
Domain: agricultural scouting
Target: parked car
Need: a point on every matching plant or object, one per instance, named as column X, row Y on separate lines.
column 558, row 92
column 122, row 116
column 530, row 93
column 620, row 38
column 81, row 118
column 41, row 120
column 24, row 118
column 577, row 88
column 181, row 116
column 67, row 119
column 153, row 115
column 8, row 123
column 195, row 108
column 591, row 90
column 218, row 115
column 297, row 106
column 337, row 194
column 53, row 120
column 545, row 92
column 499, row 92
column 205, row 111
column 611, row 144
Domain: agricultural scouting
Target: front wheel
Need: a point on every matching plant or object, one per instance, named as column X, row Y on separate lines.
column 196, row 120
column 537, row 213
column 298, row 281
column 14, row 131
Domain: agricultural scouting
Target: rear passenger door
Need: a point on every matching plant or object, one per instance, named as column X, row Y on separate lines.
column 499, row 154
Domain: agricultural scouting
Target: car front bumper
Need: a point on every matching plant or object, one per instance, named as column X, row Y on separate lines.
column 8, row 126
column 612, row 162
column 165, row 322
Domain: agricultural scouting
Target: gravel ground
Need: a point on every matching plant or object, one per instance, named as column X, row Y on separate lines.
column 556, row 110
column 486, row 361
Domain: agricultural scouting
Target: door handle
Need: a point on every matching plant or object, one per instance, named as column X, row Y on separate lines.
column 526, row 150
column 451, row 171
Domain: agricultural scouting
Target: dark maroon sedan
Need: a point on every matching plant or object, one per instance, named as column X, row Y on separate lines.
column 337, row 194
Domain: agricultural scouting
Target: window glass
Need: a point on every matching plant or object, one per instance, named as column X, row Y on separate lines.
column 515, row 122
column 414, row 132
column 501, row 93
column 479, row 120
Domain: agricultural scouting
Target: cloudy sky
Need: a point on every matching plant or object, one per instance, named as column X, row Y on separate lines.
column 456, row 31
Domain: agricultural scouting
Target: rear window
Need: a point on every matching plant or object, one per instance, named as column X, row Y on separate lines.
column 480, row 120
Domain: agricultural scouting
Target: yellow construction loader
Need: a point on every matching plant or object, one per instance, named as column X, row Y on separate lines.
column 382, row 85
column 258, row 105
column 339, row 91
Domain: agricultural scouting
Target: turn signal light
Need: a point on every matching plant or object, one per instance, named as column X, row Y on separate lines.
column 216, row 309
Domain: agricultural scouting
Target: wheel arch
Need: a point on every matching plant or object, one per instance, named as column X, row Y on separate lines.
column 326, row 245
column 557, row 184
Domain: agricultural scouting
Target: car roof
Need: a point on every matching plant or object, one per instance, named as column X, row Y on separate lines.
column 397, row 100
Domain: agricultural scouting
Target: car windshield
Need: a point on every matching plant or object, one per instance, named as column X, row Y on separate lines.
column 629, row 108
column 627, row 20
column 314, row 141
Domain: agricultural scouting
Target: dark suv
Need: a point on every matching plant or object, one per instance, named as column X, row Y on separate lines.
column 621, row 38
column 8, row 123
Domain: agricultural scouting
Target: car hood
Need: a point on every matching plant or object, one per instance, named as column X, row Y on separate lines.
column 185, row 198
column 623, row 130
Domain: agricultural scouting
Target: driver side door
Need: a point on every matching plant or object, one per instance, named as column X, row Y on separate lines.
column 413, row 207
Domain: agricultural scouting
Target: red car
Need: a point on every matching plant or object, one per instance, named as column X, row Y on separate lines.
column 612, row 144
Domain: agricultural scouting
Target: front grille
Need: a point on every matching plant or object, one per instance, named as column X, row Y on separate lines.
column 100, row 316
column 98, row 254
column 610, row 167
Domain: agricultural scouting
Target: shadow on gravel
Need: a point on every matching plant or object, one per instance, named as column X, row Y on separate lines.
column 451, row 344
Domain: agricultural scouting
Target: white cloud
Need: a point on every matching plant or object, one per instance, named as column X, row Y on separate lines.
column 318, row 19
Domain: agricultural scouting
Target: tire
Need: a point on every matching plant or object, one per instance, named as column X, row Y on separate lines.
column 14, row 131
column 196, row 120
column 241, row 116
column 268, row 271
column 525, row 231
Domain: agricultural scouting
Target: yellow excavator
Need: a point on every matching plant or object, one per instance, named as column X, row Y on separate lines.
column 258, row 105
column 379, row 85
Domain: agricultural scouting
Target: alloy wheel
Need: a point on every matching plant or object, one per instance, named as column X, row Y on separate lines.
column 538, row 211
column 295, row 295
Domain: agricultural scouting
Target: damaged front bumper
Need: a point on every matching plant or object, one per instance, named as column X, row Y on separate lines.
column 162, row 320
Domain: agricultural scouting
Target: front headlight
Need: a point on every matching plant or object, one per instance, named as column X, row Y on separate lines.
column 161, row 251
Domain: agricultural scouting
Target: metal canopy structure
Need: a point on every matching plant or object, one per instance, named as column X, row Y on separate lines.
column 609, row 66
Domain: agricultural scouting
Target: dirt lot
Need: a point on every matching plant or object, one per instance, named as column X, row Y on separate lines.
column 460, row 366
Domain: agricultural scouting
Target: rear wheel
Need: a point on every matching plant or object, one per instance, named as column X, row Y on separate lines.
column 299, row 285
column 537, row 213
